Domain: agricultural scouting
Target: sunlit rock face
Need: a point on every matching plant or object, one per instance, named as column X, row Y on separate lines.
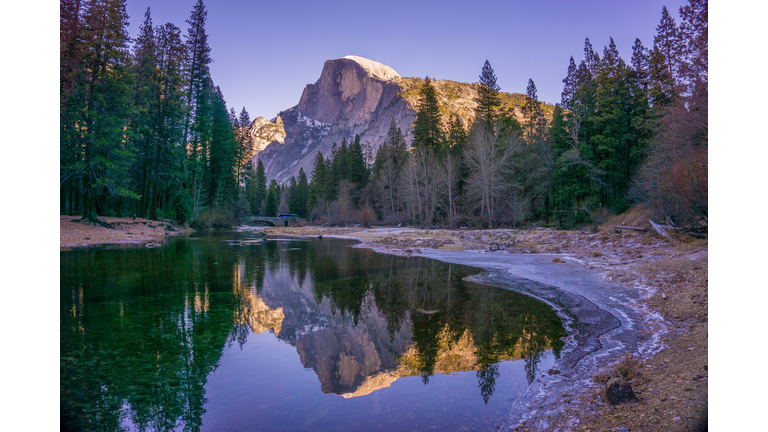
column 352, row 96
column 264, row 132
column 261, row 317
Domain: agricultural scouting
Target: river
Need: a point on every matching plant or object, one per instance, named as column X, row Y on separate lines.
column 227, row 331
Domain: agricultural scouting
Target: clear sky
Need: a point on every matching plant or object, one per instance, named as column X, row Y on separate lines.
column 264, row 53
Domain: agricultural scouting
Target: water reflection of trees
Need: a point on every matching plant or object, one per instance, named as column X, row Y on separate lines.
column 140, row 332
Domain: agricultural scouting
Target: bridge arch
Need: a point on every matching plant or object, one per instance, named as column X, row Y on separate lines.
column 272, row 221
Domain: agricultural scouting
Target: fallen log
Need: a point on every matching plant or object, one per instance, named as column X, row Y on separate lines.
column 659, row 229
column 619, row 227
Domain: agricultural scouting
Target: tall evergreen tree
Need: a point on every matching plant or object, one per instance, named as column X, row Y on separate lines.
column 427, row 133
column 158, row 114
column 102, row 124
column 488, row 99
column 317, row 187
column 591, row 59
column 299, row 195
column 260, row 194
column 220, row 169
column 533, row 116
column 244, row 143
column 197, row 130
column 569, row 90
column 358, row 168
column 72, row 73
column 146, row 85
column 669, row 45
column 272, row 201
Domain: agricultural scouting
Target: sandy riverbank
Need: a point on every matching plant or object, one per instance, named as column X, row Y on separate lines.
column 660, row 284
column 126, row 230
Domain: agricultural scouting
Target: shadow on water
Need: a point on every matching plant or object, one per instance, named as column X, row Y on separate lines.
column 142, row 330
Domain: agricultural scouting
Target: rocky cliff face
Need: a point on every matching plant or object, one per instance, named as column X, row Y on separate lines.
column 354, row 96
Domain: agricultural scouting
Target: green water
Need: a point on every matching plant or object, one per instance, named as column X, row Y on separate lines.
column 221, row 333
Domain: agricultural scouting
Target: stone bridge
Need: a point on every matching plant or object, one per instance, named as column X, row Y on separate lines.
column 272, row 221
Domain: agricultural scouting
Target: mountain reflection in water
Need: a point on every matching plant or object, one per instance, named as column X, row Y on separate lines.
column 143, row 329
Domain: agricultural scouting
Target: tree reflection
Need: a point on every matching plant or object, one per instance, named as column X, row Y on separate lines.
column 486, row 380
column 141, row 334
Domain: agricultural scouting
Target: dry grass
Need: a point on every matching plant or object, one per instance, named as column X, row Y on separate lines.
column 627, row 368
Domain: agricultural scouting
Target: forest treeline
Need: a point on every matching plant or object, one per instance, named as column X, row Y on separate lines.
column 623, row 133
column 145, row 131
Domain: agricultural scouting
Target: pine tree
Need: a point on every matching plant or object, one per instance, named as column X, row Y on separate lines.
column 533, row 116
column 668, row 45
column 358, row 168
column 559, row 132
column 569, row 90
column 260, row 194
column 457, row 136
column 249, row 180
column 339, row 165
column 146, row 86
column 317, row 191
column 591, row 59
column 273, row 195
column 292, row 195
column 158, row 114
column 488, row 99
column 106, row 153
column 197, row 130
column 427, row 133
column 244, row 148
column 220, row 169
column 72, row 85
column 302, row 195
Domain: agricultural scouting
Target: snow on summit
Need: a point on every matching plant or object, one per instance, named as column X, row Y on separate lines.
column 376, row 69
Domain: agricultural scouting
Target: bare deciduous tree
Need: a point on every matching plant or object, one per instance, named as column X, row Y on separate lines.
column 572, row 127
column 489, row 158
column 447, row 178
column 418, row 186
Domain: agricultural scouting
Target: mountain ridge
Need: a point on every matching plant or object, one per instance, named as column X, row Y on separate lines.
column 356, row 96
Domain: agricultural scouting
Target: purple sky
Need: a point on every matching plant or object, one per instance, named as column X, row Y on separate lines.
column 264, row 53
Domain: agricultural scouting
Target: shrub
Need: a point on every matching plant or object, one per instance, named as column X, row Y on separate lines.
column 209, row 218
column 366, row 216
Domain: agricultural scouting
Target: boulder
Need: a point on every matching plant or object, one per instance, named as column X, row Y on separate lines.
column 618, row 391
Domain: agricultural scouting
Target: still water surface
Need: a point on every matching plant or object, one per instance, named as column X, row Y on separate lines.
column 219, row 332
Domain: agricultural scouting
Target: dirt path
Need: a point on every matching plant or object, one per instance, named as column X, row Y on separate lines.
column 126, row 230
column 666, row 280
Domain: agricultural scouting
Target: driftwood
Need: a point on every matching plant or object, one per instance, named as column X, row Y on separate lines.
column 95, row 221
column 659, row 229
column 619, row 227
